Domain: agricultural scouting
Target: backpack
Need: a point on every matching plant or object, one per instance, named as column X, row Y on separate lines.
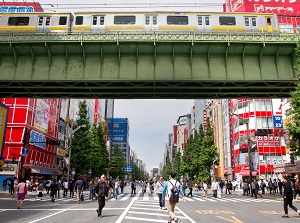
column 174, row 196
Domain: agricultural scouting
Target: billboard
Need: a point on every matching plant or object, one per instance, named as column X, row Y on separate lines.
column 41, row 117
column 17, row 7
column 3, row 124
column 279, row 7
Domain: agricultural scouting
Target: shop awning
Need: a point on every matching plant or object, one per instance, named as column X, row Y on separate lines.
column 247, row 173
column 43, row 170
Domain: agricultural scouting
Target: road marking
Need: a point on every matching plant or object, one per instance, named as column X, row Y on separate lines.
column 47, row 216
column 126, row 197
column 145, row 198
column 235, row 220
column 122, row 216
column 185, row 215
column 148, row 213
column 269, row 212
column 145, row 219
column 214, row 212
column 61, row 209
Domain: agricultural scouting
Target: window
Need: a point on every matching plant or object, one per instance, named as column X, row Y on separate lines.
column 269, row 21
column 200, row 21
column 94, row 20
column 18, row 21
column 79, row 20
column 177, row 20
column 147, row 18
column 253, row 21
column 207, row 20
column 264, row 123
column 101, row 20
column 63, row 20
column 128, row 19
column 286, row 28
column 41, row 21
column 47, row 21
column 154, row 20
column 227, row 20
column 247, row 23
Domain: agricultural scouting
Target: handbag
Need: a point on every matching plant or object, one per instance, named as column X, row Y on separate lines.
column 25, row 189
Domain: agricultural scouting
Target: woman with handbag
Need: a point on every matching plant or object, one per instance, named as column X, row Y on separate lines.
column 22, row 191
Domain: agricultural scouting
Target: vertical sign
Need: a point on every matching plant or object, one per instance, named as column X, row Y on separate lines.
column 277, row 113
column 204, row 120
column 3, row 125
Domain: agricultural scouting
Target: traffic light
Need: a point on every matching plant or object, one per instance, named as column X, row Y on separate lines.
column 292, row 158
column 263, row 132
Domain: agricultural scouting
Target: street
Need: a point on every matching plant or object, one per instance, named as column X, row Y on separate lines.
column 144, row 208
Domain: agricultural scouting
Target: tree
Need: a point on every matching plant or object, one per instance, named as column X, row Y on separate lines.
column 118, row 163
column 81, row 155
column 166, row 169
column 177, row 164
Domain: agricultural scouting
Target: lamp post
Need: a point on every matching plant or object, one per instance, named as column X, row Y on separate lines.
column 246, row 121
column 69, row 148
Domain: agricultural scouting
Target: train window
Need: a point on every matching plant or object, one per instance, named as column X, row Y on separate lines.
column 154, row 20
column 18, row 21
column 128, row 19
column 227, row 20
column 269, row 21
column 253, row 21
column 177, row 20
column 101, row 20
column 200, row 21
column 94, row 20
column 63, row 20
column 41, row 21
column 247, row 23
column 47, row 21
column 79, row 20
column 207, row 20
column 147, row 18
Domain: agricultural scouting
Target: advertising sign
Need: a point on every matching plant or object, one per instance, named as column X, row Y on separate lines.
column 268, row 141
column 21, row 6
column 41, row 115
column 3, row 125
column 279, row 7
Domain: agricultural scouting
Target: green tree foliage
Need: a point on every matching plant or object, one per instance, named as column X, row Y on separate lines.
column 166, row 169
column 199, row 154
column 80, row 150
column 118, row 162
column 99, row 161
column 137, row 173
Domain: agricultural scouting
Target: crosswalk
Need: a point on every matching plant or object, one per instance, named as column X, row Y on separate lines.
column 235, row 198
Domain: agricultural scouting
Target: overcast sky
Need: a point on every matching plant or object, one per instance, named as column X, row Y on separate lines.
column 150, row 120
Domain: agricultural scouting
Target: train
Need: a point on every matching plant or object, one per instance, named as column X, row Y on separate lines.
column 97, row 22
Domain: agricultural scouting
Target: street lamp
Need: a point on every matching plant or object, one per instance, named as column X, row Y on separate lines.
column 69, row 148
column 246, row 121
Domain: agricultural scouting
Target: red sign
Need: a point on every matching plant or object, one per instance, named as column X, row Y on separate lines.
column 279, row 7
column 186, row 136
column 270, row 140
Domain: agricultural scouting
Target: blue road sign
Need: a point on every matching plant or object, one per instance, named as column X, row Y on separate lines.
column 128, row 168
column 25, row 150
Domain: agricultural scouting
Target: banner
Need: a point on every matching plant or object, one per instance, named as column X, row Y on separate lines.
column 41, row 115
column 3, row 124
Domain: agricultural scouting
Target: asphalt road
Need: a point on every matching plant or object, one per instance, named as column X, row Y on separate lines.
column 139, row 208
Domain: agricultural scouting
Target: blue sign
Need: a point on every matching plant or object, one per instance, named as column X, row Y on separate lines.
column 37, row 139
column 277, row 119
column 90, row 171
column 15, row 9
column 128, row 168
column 25, row 151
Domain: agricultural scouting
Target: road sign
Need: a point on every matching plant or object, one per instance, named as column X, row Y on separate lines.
column 90, row 171
column 128, row 168
column 25, row 151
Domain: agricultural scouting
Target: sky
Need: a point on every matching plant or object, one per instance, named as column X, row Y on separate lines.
column 150, row 121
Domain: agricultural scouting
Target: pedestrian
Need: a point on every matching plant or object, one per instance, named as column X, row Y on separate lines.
column 253, row 188
column 11, row 186
column 53, row 190
column 4, row 183
column 79, row 188
column 48, row 183
column 133, row 187
column 121, row 186
column 271, row 187
column 159, row 186
column 22, row 191
column 71, row 188
column 184, row 187
column 116, row 187
column 170, row 184
column 275, row 186
column 40, row 191
column 91, row 189
column 101, row 193
column 205, row 190
column 263, row 186
column 190, row 186
column 215, row 187
column 280, row 185
column 245, row 188
column 65, row 187
column 15, row 187
column 288, row 197
column 296, row 188
column 58, row 189
column 256, row 189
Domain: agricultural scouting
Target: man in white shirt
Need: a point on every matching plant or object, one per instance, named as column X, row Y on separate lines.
column 167, row 189
column 159, row 186
column 215, row 187
column 205, row 189
column 66, row 186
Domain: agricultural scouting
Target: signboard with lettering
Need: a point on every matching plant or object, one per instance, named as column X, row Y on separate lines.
column 19, row 7
column 269, row 140
column 37, row 139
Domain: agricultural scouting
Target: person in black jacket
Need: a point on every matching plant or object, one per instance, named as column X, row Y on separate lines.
column 288, row 197
column 101, row 193
column 53, row 189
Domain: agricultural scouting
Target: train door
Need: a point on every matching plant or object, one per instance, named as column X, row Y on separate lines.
column 43, row 23
column 269, row 22
column 98, row 23
column 251, row 24
column 204, row 23
column 151, row 23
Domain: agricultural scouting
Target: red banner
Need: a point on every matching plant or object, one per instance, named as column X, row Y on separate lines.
column 270, row 140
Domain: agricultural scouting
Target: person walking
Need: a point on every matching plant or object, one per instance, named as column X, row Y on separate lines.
column 15, row 186
column 58, row 189
column 101, row 193
column 116, row 187
column 205, row 190
column 71, row 188
column 121, row 186
column 256, row 187
column 280, row 185
column 159, row 186
column 133, row 187
column 78, row 188
column 22, row 191
column 91, row 189
column 190, row 186
column 288, row 197
column 171, row 183
column 65, row 187
column 184, row 187
column 53, row 190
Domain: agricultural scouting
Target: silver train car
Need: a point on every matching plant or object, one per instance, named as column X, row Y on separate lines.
column 139, row 21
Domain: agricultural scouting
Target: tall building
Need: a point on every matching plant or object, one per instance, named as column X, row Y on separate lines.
column 200, row 112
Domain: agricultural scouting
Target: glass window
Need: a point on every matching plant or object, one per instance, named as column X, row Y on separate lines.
column 47, row 21
column 200, row 21
column 247, row 23
column 101, row 20
column 41, row 21
column 269, row 21
column 177, row 20
column 18, row 21
column 264, row 123
column 227, row 20
column 94, row 20
column 253, row 21
column 269, row 105
column 147, row 18
column 63, row 20
column 207, row 20
column 286, row 28
column 154, row 20
column 79, row 20
column 128, row 19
